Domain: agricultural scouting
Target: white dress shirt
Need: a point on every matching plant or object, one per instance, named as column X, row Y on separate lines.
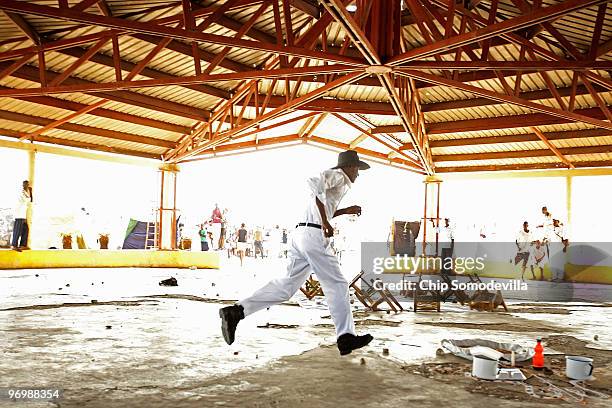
column 446, row 235
column 524, row 240
column 547, row 226
column 558, row 234
column 330, row 187
column 537, row 256
column 23, row 203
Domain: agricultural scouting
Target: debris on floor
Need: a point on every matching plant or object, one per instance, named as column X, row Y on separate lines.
column 171, row 281
column 364, row 322
column 550, row 384
column 191, row 297
column 467, row 348
column 90, row 303
column 278, row 326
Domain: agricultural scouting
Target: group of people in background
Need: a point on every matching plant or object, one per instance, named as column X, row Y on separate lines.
column 534, row 247
column 257, row 241
column 216, row 233
column 213, row 230
column 545, row 244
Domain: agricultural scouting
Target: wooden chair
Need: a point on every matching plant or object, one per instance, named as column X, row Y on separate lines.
column 371, row 297
column 425, row 300
column 460, row 295
column 312, row 288
column 486, row 301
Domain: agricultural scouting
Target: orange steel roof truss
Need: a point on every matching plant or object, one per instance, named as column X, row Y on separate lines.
column 424, row 85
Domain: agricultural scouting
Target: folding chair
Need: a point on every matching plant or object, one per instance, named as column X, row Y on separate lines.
column 311, row 288
column 460, row 295
column 371, row 297
column 483, row 300
column 425, row 299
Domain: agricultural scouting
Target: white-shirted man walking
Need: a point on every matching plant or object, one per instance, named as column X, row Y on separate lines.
column 309, row 251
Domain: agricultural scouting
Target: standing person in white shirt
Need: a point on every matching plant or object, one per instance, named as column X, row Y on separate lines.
column 21, row 228
column 537, row 259
column 559, row 244
column 559, row 234
column 546, row 225
column 523, row 243
column 446, row 241
column 309, row 251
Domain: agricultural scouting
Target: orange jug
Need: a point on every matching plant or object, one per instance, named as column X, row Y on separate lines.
column 538, row 358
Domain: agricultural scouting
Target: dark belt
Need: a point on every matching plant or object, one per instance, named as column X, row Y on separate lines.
column 308, row 224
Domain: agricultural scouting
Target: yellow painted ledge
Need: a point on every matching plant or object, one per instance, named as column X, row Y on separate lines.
column 85, row 258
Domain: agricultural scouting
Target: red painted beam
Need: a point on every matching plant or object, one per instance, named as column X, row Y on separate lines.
column 126, row 97
column 519, row 154
column 163, row 31
column 522, row 21
column 88, row 130
column 509, row 65
column 107, row 61
column 290, row 106
column 366, row 153
column 543, row 94
column 520, row 138
column 83, row 145
column 530, row 166
column 108, row 114
column 511, row 99
column 24, row 26
column 506, row 122
column 89, row 87
column 503, row 122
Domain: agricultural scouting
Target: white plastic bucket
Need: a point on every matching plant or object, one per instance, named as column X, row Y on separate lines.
column 578, row 368
column 484, row 367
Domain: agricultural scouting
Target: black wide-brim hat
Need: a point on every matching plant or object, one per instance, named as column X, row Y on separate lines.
column 350, row 158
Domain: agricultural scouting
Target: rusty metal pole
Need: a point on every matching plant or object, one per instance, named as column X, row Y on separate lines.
column 428, row 212
column 167, row 207
column 437, row 216
column 425, row 220
column 31, row 174
column 161, row 211
column 173, row 246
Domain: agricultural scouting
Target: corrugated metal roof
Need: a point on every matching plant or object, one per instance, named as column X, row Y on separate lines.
column 577, row 27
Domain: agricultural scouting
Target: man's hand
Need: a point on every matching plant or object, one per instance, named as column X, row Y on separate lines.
column 328, row 230
column 353, row 209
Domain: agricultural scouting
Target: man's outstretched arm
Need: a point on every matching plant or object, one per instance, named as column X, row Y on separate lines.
column 354, row 209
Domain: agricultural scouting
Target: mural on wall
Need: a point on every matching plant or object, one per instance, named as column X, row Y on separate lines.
column 539, row 264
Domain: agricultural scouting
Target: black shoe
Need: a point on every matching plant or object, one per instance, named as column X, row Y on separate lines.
column 349, row 342
column 230, row 316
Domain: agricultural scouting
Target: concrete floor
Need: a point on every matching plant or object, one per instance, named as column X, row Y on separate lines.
column 115, row 338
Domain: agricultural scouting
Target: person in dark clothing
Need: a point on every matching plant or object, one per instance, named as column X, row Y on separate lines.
column 242, row 243
column 203, row 237
column 284, row 241
column 21, row 228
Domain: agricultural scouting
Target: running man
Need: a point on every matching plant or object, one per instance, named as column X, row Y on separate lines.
column 309, row 251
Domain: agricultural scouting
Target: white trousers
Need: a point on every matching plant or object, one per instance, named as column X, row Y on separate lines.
column 309, row 252
column 216, row 233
